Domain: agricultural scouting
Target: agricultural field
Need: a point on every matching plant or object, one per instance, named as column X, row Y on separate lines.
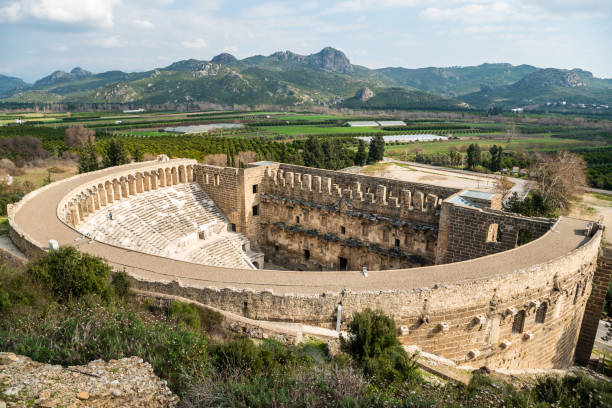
column 527, row 143
column 281, row 136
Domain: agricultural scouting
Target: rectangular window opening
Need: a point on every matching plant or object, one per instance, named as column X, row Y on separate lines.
column 254, row 188
column 255, row 210
column 397, row 242
column 297, row 219
column 343, row 263
column 519, row 322
column 343, row 230
column 493, row 233
column 233, row 227
column 541, row 313
column 306, row 254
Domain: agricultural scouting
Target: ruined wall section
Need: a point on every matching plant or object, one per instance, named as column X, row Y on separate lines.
column 469, row 232
column 527, row 319
column 370, row 183
column 594, row 306
column 311, row 222
column 237, row 193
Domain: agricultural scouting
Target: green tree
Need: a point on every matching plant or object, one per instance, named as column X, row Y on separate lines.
column 361, row 155
column 137, row 154
column 377, row 149
column 115, row 154
column 88, row 159
column 313, row 153
column 372, row 332
column 473, row 156
column 496, row 157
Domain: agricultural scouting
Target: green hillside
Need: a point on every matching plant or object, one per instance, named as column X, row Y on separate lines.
column 326, row 78
column 547, row 86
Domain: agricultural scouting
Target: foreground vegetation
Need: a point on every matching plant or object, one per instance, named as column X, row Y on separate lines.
column 69, row 308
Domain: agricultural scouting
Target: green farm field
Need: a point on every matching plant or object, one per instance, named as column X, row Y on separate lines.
column 295, row 130
column 538, row 143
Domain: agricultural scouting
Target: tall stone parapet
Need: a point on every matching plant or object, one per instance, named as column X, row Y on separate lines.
column 594, row 306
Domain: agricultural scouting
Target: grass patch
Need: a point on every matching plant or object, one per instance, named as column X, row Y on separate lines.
column 4, row 225
column 601, row 196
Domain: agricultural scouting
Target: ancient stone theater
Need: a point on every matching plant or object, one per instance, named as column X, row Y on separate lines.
column 306, row 248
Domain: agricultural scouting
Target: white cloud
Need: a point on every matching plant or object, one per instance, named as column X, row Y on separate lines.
column 353, row 6
column 484, row 13
column 97, row 13
column 146, row 24
column 111, row 42
column 197, row 43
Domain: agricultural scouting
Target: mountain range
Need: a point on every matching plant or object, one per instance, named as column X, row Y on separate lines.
column 325, row 78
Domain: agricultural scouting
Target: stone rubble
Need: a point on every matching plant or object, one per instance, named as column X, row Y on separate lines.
column 128, row 382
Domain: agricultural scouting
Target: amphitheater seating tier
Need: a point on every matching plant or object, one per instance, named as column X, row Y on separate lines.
column 166, row 222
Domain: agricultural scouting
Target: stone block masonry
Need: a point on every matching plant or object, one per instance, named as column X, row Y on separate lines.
column 594, row 307
column 470, row 232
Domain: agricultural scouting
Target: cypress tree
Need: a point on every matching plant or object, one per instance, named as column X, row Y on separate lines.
column 88, row 159
column 361, row 155
column 377, row 149
column 115, row 154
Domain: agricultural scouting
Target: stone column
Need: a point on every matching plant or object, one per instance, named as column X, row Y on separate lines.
column 139, row 188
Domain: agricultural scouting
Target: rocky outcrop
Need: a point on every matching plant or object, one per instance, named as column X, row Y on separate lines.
column 128, row 382
column 364, row 94
column 330, row 59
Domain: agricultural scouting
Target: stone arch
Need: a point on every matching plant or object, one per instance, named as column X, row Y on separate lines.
column 153, row 180
column 181, row 174
column 162, row 177
column 123, row 184
column 102, row 195
column 131, row 184
column 139, row 182
column 190, row 173
column 77, row 209
column 93, row 192
column 83, row 207
column 116, row 190
column 109, row 191
column 146, row 181
column 174, row 176
column 89, row 202
column 168, row 177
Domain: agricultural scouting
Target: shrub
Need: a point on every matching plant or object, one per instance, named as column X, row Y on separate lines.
column 69, row 274
column 121, row 284
column 392, row 365
column 185, row 313
column 239, row 353
column 371, row 332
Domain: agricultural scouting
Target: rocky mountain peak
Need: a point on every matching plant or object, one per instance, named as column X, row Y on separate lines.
column 287, row 56
column 224, row 59
column 330, row 59
column 79, row 72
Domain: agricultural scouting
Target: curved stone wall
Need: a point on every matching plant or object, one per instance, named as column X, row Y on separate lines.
column 515, row 309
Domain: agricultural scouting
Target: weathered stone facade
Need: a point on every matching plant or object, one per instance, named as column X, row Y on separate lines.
column 500, row 305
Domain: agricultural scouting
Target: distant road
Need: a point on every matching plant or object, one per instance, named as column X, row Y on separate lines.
column 521, row 186
column 598, row 190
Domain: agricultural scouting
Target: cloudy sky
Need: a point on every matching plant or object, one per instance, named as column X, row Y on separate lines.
column 40, row 36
